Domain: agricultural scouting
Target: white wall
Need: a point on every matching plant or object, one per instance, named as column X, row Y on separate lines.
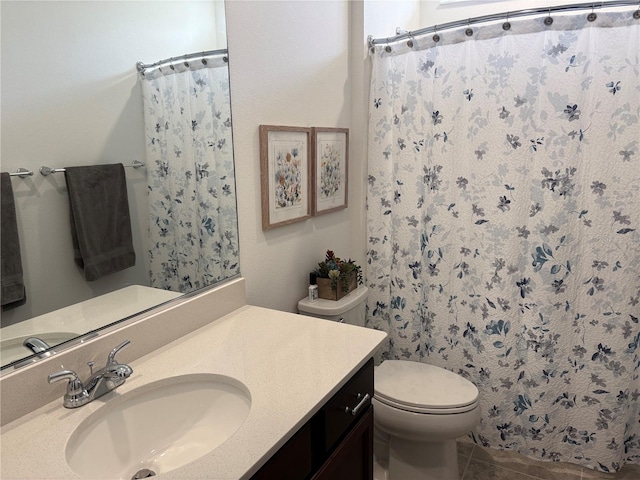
column 70, row 96
column 289, row 65
column 382, row 17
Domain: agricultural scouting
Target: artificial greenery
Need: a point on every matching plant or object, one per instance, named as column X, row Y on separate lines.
column 337, row 269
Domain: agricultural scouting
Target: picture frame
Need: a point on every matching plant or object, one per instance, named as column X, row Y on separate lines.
column 330, row 186
column 285, row 175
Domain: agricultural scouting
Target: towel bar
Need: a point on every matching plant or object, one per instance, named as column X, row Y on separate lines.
column 22, row 173
column 44, row 170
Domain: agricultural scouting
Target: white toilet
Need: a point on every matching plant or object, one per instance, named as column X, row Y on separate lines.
column 419, row 409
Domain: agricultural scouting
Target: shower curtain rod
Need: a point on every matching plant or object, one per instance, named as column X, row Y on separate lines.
column 402, row 35
column 141, row 67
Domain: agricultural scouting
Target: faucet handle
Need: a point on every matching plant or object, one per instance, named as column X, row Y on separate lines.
column 111, row 359
column 63, row 375
column 74, row 387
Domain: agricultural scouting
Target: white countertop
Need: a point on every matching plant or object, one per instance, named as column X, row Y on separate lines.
column 290, row 363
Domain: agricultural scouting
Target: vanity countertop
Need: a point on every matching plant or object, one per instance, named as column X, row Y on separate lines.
column 290, row 363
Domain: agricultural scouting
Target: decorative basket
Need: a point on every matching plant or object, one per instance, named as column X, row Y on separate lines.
column 325, row 290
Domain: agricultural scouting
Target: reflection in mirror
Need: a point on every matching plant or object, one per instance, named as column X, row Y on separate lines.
column 190, row 176
column 71, row 96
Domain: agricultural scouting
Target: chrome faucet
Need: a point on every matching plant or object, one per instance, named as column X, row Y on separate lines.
column 39, row 346
column 104, row 380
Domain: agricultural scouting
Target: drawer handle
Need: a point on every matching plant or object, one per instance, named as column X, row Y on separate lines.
column 360, row 404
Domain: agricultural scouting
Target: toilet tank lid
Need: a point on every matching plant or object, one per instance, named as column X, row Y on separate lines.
column 334, row 307
column 421, row 385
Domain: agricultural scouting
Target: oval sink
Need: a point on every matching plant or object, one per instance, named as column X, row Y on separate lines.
column 159, row 427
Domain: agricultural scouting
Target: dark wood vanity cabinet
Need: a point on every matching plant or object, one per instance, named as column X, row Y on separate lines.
column 334, row 444
column 353, row 457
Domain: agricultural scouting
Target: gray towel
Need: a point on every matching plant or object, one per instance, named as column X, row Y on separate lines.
column 13, row 290
column 100, row 221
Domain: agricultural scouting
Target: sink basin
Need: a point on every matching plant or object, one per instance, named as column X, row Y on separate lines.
column 159, row 427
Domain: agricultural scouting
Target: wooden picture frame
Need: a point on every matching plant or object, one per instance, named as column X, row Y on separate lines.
column 330, row 169
column 285, row 175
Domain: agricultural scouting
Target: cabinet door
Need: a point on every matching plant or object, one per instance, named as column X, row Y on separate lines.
column 353, row 457
column 292, row 462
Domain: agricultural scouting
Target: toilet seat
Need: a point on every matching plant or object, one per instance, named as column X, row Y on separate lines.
column 426, row 410
column 421, row 388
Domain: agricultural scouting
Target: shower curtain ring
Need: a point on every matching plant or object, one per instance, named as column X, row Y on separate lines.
column 410, row 41
column 592, row 16
column 506, row 25
column 372, row 47
column 469, row 31
column 388, row 47
column 203, row 60
column 436, row 37
column 171, row 64
column 548, row 21
column 636, row 14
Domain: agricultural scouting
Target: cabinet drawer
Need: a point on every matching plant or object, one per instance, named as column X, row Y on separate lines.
column 337, row 416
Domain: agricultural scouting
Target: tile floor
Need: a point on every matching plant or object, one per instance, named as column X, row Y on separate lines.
column 478, row 463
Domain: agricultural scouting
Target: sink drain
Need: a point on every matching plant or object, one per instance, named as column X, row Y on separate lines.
column 144, row 473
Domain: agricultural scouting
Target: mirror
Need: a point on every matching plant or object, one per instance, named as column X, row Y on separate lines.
column 71, row 96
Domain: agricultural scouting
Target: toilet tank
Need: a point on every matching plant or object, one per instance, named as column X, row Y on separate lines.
column 349, row 309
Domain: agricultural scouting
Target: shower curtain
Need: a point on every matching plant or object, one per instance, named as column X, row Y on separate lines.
column 191, row 181
column 504, row 225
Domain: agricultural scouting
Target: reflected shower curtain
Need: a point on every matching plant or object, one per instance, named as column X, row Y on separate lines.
column 191, row 182
column 504, row 226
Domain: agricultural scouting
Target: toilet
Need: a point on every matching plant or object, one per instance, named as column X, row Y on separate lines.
column 418, row 410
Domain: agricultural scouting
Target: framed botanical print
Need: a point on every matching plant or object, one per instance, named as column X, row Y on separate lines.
column 285, row 160
column 330, row 169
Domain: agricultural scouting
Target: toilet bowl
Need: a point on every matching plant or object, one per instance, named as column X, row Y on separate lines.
column 419, row 409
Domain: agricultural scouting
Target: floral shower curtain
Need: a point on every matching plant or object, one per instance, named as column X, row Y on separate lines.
column 191, row 181
column 504, row 226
